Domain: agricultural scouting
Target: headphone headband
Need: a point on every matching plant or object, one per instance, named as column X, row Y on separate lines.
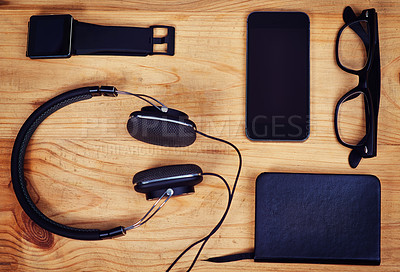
column 18, row 156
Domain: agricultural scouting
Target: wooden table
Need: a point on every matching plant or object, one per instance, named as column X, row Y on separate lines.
column 81, row 160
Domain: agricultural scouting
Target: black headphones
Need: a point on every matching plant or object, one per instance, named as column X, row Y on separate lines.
column 156, row 125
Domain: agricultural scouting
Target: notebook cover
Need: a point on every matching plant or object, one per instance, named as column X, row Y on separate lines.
column 317, row 218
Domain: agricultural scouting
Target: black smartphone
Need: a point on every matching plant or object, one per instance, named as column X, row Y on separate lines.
column 278, row 76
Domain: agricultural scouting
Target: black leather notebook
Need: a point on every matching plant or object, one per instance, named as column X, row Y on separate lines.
column 317, row 218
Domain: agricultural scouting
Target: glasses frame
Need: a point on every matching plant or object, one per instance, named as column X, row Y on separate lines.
column 369, row 80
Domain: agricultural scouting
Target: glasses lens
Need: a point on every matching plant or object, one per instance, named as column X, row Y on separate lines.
column 352, row 51
column 352, row 119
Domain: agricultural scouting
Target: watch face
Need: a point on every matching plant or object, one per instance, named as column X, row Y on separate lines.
column 49, row 36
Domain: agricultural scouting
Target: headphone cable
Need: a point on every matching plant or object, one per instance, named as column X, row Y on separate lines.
column 231, row 193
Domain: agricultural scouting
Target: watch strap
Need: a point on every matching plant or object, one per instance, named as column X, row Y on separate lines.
column 91, row 39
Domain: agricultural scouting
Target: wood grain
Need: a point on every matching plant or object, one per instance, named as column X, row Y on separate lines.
column 80, row 162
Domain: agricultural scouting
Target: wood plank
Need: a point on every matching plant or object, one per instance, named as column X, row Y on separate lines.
column 81, row 160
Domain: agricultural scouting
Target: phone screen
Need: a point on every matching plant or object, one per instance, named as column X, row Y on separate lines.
column 278, row 76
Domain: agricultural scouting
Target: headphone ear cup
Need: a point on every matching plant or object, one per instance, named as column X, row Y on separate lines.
column 150, row 109
column 161, row 130
column 181, row 178
column 171, row 112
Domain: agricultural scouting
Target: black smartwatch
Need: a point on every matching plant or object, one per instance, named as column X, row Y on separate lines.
column 61, row 36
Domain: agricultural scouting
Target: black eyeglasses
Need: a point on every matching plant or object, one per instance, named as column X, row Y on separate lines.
column 356, row 113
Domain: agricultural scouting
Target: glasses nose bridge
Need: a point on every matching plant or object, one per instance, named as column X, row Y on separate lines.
column 363, row 80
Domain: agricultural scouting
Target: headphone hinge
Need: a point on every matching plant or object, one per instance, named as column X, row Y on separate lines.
column 104, row 90
column 112, row 233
